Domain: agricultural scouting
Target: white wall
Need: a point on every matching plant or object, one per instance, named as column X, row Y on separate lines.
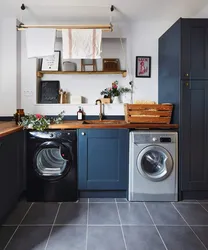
column 88, row 86
column 145, row 37
column 9, row 74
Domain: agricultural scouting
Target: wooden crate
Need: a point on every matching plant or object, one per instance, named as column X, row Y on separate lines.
column 148, row 113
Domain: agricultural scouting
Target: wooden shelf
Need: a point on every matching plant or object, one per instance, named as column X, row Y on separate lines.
column 41, row 73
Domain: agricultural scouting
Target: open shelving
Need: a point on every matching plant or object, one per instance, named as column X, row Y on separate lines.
column 120, row 72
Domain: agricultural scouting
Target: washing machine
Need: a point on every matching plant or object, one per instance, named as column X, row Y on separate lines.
column 153, row 166
column 52, row 166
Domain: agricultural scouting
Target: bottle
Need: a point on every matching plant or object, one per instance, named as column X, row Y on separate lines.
column 80, row 114
column 18, row 115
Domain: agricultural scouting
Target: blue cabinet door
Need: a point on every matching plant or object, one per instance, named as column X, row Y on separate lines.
column 103, row 159
column 194, row 131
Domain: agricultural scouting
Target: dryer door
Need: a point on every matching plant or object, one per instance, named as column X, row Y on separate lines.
column 52, row 160
column 155, row 163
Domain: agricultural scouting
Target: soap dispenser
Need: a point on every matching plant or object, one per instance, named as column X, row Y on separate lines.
column 80, row 114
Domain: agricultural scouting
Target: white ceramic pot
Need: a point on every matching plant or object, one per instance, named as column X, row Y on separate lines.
column 116, row 100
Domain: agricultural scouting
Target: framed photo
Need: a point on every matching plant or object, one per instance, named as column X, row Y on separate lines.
column 143, row 66
column 51, row 63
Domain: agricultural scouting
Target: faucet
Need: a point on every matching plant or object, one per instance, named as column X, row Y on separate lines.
column 101, row 113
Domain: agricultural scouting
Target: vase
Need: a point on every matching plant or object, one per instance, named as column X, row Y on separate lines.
column 116, row 100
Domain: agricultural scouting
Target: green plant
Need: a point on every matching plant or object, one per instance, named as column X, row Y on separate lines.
column 39, row 122
column 114, row 90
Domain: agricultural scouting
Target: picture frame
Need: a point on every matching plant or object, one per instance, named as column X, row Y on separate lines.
column 143, row 66
column 51, row 63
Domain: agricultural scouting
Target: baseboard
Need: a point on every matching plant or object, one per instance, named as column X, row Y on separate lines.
column 194, row 195
column 103, row 194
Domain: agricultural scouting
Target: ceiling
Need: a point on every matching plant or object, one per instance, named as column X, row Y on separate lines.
column 52, row 11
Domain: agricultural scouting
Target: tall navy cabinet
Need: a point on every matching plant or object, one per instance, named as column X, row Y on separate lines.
column 183, row 81
column 103, row 159
column 12, row 171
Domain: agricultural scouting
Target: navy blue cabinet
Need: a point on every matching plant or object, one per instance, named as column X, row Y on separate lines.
column 194, row 132
column 183, row 81
column 103, row 159
column 12, row 171
column 194, row 48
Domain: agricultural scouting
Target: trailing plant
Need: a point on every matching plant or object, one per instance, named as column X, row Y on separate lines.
column 39, row 122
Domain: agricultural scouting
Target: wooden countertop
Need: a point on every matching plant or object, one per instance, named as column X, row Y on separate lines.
column 7, row 128
column 110, row 124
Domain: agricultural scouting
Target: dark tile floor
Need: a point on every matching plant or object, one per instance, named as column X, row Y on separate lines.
column 106, row 224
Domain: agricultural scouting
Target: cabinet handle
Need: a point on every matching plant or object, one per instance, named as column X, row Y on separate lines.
column 83, row 133
column 187, row 84
column 186, row 74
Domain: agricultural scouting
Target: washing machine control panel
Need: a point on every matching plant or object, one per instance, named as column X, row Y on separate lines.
column 142, row 138
column 165, row 139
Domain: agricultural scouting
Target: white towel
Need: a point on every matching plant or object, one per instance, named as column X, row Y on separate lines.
column 81, row 43
column 40, row 42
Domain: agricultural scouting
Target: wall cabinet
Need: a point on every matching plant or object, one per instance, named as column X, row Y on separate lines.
column 11, row 165
column 183, row 81
column 103, row 159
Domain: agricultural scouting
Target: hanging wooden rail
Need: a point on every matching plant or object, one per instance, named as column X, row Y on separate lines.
column 107, row 27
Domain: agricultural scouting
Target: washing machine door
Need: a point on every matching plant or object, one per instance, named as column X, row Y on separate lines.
column 52, row 160
column 155, row 163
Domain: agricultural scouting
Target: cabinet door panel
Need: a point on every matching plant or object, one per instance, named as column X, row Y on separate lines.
column 102, row 154
column 194, row 136
column 194, row 49
column 103, row 159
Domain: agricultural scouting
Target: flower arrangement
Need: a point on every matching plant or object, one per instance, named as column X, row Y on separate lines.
column 114, row 90
column 39, row 122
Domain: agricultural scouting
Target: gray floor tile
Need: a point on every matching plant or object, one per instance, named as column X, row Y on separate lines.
column 180, row 238
column 142, row 238
column 5, row 234
column 41, row 213
column 163, row 213
column 29, row 238
column 68, row 237
column 72, row 213
column 102, row 199
column 18, row 213
column 194, row 214
column 203, row 201
column 105, row 238
column 121, row 200
column 103, row 213
column 202, row 233
column 205, row 206
column 134, row 214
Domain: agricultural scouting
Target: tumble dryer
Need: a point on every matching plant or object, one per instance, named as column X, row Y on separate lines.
column 52, row 166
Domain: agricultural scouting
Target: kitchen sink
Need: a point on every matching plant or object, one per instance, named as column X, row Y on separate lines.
column 104, row 122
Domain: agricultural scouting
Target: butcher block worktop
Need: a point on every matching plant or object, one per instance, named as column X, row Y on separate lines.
column 10, row 127
column 7, row 128
column 109, row 124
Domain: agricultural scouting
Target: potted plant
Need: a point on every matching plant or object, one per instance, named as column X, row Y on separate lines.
column 114, row 92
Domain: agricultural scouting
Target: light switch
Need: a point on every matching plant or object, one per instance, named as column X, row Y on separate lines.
column 28, row 93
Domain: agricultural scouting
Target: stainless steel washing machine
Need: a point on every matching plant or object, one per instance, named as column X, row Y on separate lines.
column 153, row 166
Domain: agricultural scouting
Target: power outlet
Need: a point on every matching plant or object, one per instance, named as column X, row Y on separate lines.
column 28, row 93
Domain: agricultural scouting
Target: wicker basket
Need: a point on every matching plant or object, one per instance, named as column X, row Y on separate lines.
column 148, row 113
